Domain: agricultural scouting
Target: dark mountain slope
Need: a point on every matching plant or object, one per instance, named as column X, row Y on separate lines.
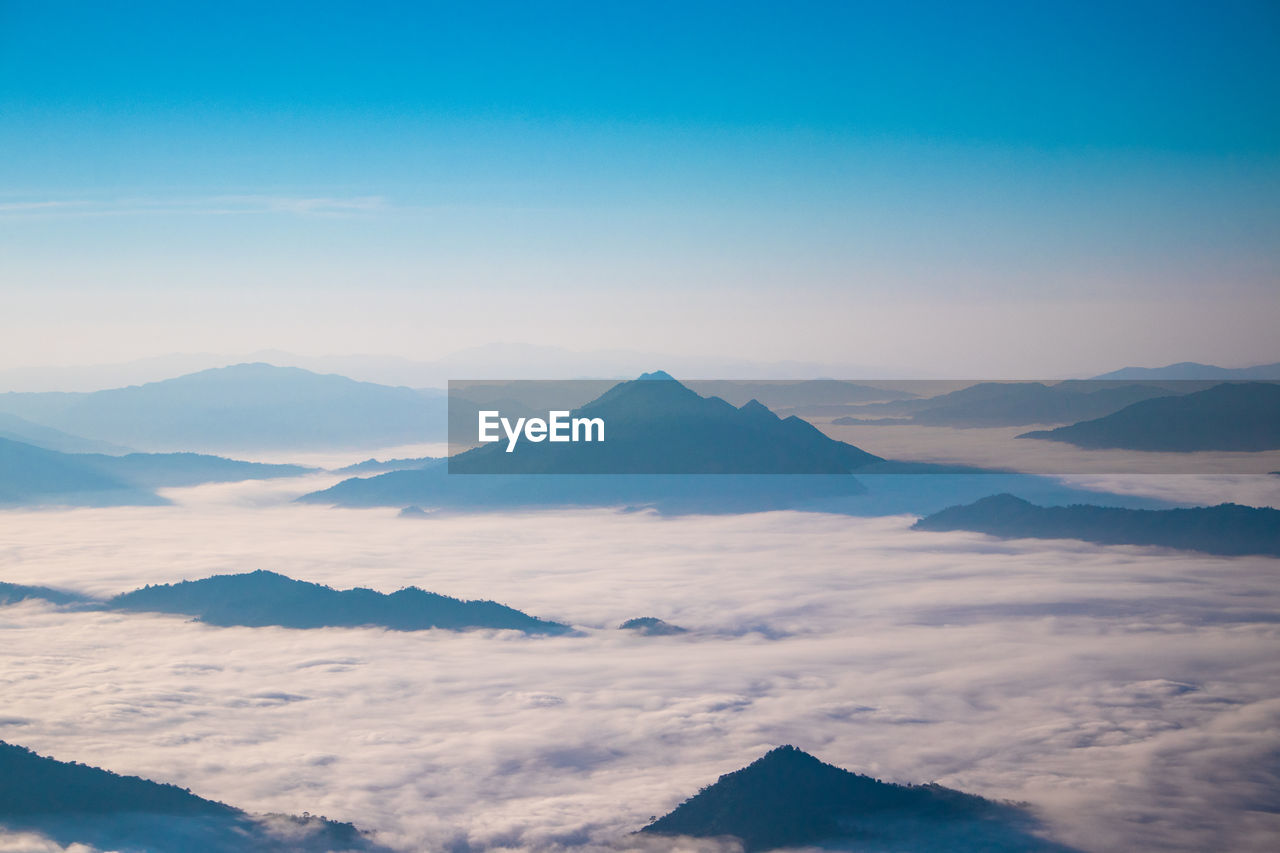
column 12, row 593
column 1193, row 370
column 655, row 425
column 158, row 470
column 996, row 404
column 1226, row 529
column 1230, row 417
column 31, row 475
column 75, row 803
column 788, row 798
column 261, row 598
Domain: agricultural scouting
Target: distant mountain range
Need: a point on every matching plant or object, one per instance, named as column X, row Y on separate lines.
column 1194, row 370
column 789, row 799
column 701, row 434
column 1226, row 529
column 33, row 476
column 244, row 407
column 1227, row 417
column 997, row 404
column 15, row 428
column 77, row 804
column 658, row 426
column 261, row 598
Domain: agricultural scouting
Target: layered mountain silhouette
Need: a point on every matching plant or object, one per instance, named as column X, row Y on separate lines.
column 74, row 803
column 19, row 429
column 655, row 425
column 789, row 798
column 1193, row 370
column 1227, row 417
column 997, row 404
column 31, row 475
column 1226, row 529
column 246, row 406
column 381, row 466
column 749, row 438
column 261, row 598
column 796, row 395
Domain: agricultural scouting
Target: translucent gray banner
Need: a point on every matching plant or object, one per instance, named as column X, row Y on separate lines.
column 658, row 425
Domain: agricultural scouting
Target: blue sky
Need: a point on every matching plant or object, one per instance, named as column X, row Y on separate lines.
column 1057, row 188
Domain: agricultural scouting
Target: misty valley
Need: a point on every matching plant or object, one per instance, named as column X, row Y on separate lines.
column 723, row 629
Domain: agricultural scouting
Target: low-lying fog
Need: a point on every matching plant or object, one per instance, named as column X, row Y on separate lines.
column 1132, row 695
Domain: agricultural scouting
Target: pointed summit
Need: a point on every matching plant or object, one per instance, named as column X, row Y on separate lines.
column 656, row 425
column 789, row 798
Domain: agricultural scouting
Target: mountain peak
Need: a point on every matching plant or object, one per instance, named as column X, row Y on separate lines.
column 789, row 798
column 657, row 375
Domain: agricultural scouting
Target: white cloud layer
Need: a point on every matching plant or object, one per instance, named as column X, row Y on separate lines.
column 1131, row 694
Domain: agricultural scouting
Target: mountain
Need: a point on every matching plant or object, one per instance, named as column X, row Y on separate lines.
column 1229, row 417
column 15, row 428
column 996, row 404
column 795, row 394
column 247, row 406
column 658, row 426
column 1226, row 529
column 652, row 626
column 788, row 798
column 31, row 475
column 159, row 470
column 261, row 598
column 12, row 593
column 1194, row 370
column 378, row 466
column 77, row 804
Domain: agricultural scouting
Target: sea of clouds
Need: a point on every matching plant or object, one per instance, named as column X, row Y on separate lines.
column 1130, row 695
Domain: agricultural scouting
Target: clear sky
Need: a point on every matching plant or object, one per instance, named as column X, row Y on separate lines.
column 983, row 188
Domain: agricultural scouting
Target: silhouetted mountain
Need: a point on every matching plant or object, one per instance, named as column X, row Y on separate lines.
column 248, row 406
column 1228, row 529
column 788, row 798
column 1194, row 370
column 1231, row 417
column 800, row 394
column 12, row 593
column 651, row 626
column 377, row 466
column 33, row 476
column 655, row 425
column 260, row 598
column 15, row 428
column 75, row 803
column 996, row 404
column 157, row 470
